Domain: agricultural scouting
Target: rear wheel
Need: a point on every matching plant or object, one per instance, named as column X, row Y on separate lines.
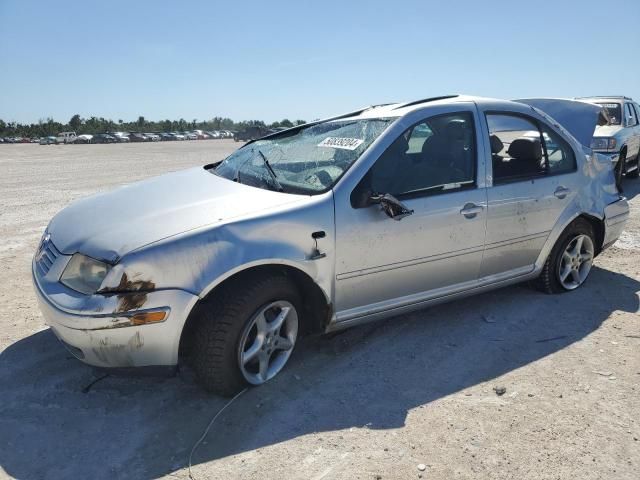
column 246, row 334
column 570, row 261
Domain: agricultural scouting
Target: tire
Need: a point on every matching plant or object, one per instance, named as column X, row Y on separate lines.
column 227, row 327
column 550, row 280
column 635, row 173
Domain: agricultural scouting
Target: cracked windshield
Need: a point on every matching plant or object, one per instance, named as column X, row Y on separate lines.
column 307, row 160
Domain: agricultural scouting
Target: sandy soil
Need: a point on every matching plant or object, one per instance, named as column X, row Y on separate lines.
column 372, row 402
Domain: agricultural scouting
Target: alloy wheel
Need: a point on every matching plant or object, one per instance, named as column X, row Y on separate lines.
column 267, row 341
column 576, row 262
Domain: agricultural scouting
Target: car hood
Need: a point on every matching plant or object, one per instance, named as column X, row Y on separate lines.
column 108, row 225
column 607, row 131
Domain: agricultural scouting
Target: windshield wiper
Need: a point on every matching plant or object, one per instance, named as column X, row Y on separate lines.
column 271, row 171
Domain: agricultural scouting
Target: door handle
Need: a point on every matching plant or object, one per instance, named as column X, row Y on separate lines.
column 561, row 192
column 470, row 210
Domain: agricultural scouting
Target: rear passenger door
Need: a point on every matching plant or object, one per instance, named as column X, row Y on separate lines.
column 533, row 181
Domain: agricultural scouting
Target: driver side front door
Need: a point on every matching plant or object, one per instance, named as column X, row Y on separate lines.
column 383, row 264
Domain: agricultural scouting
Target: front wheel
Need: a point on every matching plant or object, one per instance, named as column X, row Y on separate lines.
column 246, row 334
column 570, row 261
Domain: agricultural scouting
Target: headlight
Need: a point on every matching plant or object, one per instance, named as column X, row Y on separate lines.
column 84, row 274
column 603, row 143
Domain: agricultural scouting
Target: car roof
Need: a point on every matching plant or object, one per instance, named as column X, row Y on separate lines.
column 401, row 109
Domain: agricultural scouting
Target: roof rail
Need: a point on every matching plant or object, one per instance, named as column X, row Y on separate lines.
column 606, row 96
column 424, row 100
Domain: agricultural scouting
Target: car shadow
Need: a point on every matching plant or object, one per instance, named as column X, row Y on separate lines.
column 371, row 376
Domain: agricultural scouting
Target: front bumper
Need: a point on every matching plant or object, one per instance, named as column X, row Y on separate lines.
column 613, row 156
column 104, row 339
column 615, row 217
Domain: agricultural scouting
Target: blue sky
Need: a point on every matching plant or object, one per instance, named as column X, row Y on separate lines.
column 270, row 60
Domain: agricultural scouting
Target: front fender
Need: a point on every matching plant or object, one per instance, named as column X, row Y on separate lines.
column 198, row 261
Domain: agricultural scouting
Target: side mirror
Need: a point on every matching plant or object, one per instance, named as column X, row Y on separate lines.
column 390, row 205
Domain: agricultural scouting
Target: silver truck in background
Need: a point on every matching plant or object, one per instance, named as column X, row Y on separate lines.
column 620, row 139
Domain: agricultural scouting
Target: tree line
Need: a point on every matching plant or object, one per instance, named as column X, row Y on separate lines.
column 92, row 125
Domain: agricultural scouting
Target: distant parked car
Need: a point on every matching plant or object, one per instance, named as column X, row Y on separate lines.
column 66, row 137
column 83, row 139
column 202, row 135
column 215, row 134
column 620, row 139
column 167, row 137
column 35, row 140
column 179, row 136
column 47, row 140
column 121, row 137
column 138, row 137
column 153, row 137
column 251, row 133
column 103, row 138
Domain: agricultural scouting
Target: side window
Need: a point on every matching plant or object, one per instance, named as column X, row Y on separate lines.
column 436, row 154
column 631, row 120
column 559, row 152
column 418, row 136
column 516, row 148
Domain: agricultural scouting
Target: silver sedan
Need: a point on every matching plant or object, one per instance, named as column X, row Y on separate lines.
column 324, row 226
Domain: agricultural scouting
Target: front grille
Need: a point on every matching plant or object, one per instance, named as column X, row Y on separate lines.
column 46, row 256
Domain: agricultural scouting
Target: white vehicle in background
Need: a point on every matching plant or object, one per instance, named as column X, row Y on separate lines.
column 66, row 137
column 83, row 139
column 121, row 137
column 154, row 137
column 620, row 139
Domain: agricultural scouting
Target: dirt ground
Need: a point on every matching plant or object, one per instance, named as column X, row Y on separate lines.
column 372, row 402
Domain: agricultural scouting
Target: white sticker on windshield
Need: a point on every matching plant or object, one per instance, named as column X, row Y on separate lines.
column 343, row 143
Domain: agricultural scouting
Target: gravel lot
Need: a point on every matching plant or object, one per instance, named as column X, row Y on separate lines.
column 373, row 402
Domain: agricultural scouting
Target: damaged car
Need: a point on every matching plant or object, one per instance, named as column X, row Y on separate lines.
column 324, row 226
